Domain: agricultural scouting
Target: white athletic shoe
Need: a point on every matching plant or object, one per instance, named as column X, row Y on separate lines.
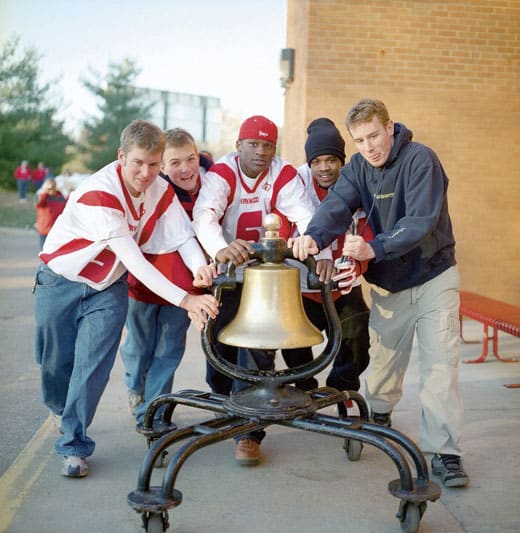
column 134, row 399
column 74, row 466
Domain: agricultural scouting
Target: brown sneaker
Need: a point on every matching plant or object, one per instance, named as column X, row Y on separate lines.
column 247, row 452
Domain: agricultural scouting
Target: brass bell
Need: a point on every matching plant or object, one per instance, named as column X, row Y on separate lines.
column 271, row 314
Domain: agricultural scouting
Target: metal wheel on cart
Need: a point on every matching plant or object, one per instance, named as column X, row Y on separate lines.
column 411, row 514
column 353, row 449
column 156, row 523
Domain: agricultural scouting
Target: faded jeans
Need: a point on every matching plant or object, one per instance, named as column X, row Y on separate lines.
column 78, row 330
column 22, row 187
column 153, row 349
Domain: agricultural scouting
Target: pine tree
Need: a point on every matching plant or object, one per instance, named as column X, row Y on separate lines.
column 120, row 102
column 29, row 128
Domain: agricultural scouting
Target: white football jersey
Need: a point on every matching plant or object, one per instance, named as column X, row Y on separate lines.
column 231, row 206
column 101, row 209
column 336, row 246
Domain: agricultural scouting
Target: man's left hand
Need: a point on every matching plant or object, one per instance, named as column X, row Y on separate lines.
column 357, row 248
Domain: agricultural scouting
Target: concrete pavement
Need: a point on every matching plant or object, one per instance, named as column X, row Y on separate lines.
column 305, row 482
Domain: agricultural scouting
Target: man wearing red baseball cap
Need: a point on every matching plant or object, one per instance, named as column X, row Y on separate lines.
column 238, row 192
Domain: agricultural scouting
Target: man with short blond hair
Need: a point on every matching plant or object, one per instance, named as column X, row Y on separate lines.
column 81, row 290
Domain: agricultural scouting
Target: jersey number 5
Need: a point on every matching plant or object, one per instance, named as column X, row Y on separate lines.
column 249, row 225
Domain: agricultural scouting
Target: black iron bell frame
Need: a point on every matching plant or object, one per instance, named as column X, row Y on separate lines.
column 271, row 400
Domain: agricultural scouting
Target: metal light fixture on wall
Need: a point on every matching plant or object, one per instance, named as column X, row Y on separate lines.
column 286, row 67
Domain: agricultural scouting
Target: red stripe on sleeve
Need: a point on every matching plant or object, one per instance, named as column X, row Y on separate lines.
column 287, row 173
column 227, row 174
column 71, row 246
column 160, row 209
column 101, row 199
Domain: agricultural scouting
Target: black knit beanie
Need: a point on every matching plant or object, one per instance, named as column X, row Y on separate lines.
column 324, row 139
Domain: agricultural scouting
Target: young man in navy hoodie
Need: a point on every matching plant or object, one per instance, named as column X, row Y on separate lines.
column 402, row 187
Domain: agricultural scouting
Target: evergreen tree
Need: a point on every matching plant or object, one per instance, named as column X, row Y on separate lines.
column 120, row 102
column 28, row 125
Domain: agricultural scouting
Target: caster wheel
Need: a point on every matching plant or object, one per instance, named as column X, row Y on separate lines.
column 353, row 449
column 412, row 517
column 155, row 523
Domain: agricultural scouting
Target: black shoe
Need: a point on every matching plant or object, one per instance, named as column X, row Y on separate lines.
column 307, row 385
column 341, row 384
column 383, row 419
column 449, row 469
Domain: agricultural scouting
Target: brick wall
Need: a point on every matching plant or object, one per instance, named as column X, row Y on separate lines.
column 449, row 70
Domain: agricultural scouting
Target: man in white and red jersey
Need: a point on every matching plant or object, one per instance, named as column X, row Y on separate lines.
column 325, row 154
column 81, row 292
column 237, row 193
column 156, row 330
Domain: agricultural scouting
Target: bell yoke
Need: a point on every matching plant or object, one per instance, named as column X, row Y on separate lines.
column 271, row 317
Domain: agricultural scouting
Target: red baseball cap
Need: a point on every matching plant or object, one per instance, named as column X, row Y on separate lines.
column 258, row 127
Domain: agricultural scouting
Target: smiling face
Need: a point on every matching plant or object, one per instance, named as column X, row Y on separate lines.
column 255, row 156
column 139, row 168
column 181, row 164
column 373, row 140
column 325, row 168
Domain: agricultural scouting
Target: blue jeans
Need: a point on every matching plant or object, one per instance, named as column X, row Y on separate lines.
column 78, row 330
column 37, row 184
column 23, row 187
column 153, row 349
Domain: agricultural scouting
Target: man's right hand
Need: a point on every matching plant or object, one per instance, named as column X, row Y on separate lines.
column 237, row 252
column 303, row 246
column 200, row 308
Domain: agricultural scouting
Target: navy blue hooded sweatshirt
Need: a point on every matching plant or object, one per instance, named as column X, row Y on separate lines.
column 408, row 212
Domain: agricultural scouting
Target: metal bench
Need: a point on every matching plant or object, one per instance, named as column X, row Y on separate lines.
column 499, row 316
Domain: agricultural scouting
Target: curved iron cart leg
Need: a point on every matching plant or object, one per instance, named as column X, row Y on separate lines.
column 404, row 442
column 149, row 500
column 327, row 396
column 389, row 441
column 153, row 428
column 413, row 494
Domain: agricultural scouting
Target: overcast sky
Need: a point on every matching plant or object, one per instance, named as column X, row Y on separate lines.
column 224, row 48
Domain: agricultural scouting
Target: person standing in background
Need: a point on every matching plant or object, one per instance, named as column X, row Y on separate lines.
column 38, row 176
column 49, row 207
column 22, row 174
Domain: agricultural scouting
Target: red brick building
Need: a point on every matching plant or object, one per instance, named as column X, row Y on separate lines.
column 450, row 70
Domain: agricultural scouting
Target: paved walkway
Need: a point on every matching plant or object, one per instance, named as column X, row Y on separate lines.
column 305, row 483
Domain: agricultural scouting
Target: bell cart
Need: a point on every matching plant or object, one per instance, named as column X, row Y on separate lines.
column 270, row 399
